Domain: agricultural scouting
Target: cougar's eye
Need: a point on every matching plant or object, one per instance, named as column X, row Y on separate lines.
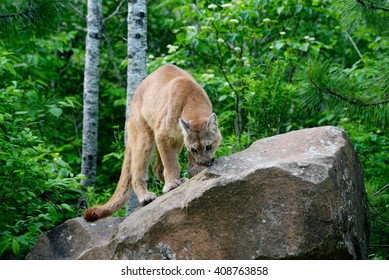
column 193, row 150
column 208, row 147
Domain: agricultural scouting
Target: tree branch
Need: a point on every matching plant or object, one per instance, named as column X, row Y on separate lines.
column 368, row 5
column 81, row 14
column 353, row 43
column 221, row 62
column 381, row 190
column 35, row 14
column 114, row 13
column 112, row 59
column 28, row 11
column 344, row 98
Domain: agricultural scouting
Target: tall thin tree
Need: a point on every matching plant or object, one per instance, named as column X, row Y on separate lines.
column 136, row 69
column 91, row 92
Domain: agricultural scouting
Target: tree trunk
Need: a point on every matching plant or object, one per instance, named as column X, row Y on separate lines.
column 136, row 69
column 91, row 92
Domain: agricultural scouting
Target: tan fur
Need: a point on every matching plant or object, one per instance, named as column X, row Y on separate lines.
column 169, row 109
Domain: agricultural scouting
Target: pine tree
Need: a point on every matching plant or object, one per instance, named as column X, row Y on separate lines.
column 326, row 85
column 373, row 13
column 29, row 15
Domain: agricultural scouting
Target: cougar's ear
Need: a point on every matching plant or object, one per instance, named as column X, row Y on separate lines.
column 212, row 122
column 184, row 126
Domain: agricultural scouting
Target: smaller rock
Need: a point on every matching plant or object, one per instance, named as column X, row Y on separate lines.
column 69, row 240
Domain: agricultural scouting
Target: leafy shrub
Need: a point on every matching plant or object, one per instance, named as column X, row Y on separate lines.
column 373, row 147
column 37, row 188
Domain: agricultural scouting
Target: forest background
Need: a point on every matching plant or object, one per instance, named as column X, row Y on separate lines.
column 268, row 66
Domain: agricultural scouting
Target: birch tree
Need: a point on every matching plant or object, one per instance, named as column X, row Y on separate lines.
column 137, row 48
column 91, row 92
column 136, row 69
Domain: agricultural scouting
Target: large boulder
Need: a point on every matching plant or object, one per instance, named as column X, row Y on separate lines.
column 298, row 195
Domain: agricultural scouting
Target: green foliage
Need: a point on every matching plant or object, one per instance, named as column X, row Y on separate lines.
column 353, row 92
column 379, row 221
column 362, row 88
column 38, row 188
column 373, row 147
column 373, row 13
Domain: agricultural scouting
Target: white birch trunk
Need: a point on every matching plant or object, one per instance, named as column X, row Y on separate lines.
column 91, row 92
column 137, row 57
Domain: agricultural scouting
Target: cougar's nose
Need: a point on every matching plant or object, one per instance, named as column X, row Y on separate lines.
column 206, row 163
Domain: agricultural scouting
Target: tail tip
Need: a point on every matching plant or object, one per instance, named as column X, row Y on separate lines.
column 92, row 214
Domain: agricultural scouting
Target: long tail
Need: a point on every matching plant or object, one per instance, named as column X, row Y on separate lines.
column 121, row 195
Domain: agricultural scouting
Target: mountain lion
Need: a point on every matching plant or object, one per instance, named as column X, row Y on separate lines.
column 169, row 109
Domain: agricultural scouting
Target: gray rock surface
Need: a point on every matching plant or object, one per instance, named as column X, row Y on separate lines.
column 298, row 195
column 69, row 240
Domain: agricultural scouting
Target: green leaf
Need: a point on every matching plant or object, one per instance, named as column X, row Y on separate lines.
column 231, row 37
column 279, row 10
column 55, row 111
column 304, row 47
column 244, row 15
column 298, row 8
column 15, row 247
column 278, row 45
column 23, row 240
column 67, row 207
column 4, row 245
column 10, row 69
column 316, row 2
column 223, row 97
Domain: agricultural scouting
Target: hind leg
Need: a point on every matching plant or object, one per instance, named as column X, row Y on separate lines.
column 158, row 168
column 142, row 146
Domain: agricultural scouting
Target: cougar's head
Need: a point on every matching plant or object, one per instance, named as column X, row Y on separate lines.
column 201, row 138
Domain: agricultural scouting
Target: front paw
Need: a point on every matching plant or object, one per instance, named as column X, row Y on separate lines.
column 175, row 184
column 147, row 198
